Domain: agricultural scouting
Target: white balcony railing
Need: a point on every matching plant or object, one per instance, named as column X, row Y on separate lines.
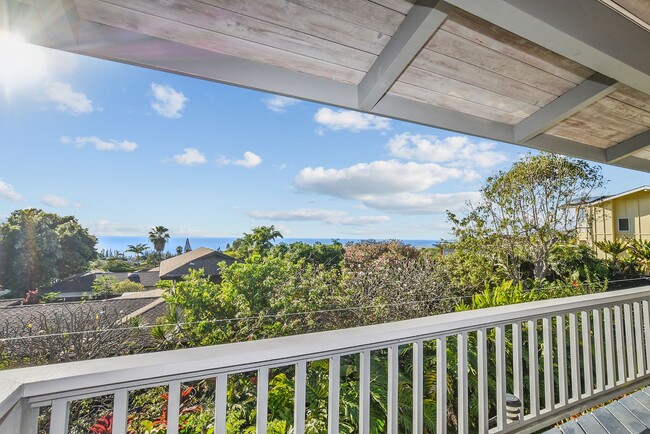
column 590, row 349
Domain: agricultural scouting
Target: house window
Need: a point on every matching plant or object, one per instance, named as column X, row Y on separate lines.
column 624, row 224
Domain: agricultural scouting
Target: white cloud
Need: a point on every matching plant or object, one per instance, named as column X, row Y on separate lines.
column 412, row 203
column 101, row 145
column 249, row 161
column 7, row 191
column 168, row 102
column 457, row 151
column 67, row 99
column 389, row 186
column 108, row 228
column 189, row 157
column 279, row 104
column 333, row 217
column 350, row 120
column 56, row 201
column 375, row 178
column 303, row 214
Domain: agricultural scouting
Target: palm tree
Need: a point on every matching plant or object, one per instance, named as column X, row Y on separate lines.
column 137, row 249
column 159, row 235
column 614, row 248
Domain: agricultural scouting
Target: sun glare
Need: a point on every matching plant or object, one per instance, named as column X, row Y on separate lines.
column 21, row 64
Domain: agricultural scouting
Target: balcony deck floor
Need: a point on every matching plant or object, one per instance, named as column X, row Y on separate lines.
column 630, row 414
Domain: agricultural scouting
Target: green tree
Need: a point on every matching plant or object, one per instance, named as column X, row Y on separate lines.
column 188, row 247
column 159, row 235
column 103, row 286
column 522, row 214
column 260, row 241
column 126, row 286
column 39, row 248
column 137, row 249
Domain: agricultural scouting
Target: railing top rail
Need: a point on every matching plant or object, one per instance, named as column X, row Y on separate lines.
column 126, row 371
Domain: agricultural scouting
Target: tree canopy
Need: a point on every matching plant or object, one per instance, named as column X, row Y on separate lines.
column 38, row 248
column 159, row 235
column 522, row 213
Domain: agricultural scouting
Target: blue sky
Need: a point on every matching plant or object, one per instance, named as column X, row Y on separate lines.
column 125, row 148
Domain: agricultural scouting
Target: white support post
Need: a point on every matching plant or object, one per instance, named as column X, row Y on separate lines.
column 441, row 385
column 364, row 392
column 120, row 410
column 300, row 397
column 629, row 340
column 638, row 336
column 418, row 387
column 500, row 360
column 549, row 377
column 646, row 333
column 481, row 342
column 586, row 353
column 609, row 348
column 463, row 398
column 620, row 345
column 393, row 389
column 333, row 394
column 220, row 406
column 574, row 356
column 59, row 416
column 533, row 369
column 561, row 361
column 598, row 350
column 262, row 400
column 173, row 406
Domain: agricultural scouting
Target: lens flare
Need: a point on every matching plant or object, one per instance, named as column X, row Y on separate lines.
column 21, row 64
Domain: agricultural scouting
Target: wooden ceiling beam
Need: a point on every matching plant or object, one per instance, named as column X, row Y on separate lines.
column 583, row 95
column 423, row 20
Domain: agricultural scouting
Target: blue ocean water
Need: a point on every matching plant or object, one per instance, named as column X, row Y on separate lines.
column 120, row 243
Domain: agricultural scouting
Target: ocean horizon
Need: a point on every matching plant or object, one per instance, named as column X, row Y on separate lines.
column 120, row 243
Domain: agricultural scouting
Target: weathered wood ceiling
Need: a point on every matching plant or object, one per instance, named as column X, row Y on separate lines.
column 545, row 76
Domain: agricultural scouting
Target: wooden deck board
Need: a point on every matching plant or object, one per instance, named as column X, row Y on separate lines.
column 637, row 409
column 590, row 424
column 572, row 427
column 609, row 421
column 626, row 418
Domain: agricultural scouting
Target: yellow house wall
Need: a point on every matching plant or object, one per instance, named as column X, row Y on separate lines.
column 604, row 219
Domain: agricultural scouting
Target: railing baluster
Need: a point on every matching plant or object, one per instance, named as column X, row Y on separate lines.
column 120, row 410
column 220, row 404
column 598, row 350
column 646, row 333
column 29, row 420
column 364, row 392
column 609, row 348
column 500, row 344
column 574, row 356
column 393, row 389
column 517, row 366
column 561, row 361
column 463, row 399
column 586, row 353
column 629, row 340
column 173, row 406
column 418, row 387
column 333, row 395
column 262, row 400
column 59, row 418
column 300, row 397
column 441, row 385
column 549, row 377
column 482, row 361
column 533, row 369
column 620, row 345
column 638, row 330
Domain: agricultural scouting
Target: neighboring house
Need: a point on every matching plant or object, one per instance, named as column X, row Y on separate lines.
column 624, row 215
column 81, row 285
column 207, row 259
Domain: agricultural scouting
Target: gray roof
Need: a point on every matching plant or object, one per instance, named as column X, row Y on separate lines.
column 80, row 283
column 204, row 258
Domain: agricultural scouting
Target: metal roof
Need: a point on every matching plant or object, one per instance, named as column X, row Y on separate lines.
column 570, row 77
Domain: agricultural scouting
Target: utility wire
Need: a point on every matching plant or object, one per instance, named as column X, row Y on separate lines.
column 290, row 314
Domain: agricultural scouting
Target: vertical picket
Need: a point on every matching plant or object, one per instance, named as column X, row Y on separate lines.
column 393, row 389
column 533, row 368
column 547, row 339
column 334, row 394
column 561, row 361
column 463, row 398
